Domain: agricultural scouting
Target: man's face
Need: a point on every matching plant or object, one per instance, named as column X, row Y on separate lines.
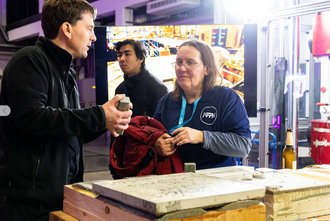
column 82, row 36
column 128, row 62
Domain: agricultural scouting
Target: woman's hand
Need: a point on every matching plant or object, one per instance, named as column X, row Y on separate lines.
column 164, row 145
column 186, row 135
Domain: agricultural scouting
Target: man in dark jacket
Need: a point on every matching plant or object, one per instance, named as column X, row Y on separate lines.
column 41, row 140
column 143, row 89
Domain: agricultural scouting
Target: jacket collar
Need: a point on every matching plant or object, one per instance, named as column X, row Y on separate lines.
column 62, row 58
column 135, row 77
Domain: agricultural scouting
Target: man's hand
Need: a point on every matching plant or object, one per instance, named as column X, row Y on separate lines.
column 116, row 120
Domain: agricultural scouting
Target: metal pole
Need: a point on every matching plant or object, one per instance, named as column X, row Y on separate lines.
column 311, row 106
column 264, row 94
column 293, row 69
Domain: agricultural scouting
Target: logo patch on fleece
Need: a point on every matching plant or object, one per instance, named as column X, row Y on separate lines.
column 209, row 115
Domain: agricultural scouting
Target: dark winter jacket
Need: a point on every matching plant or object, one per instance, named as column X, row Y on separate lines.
column 132, row 154
column 144, row 91
column 41, row 140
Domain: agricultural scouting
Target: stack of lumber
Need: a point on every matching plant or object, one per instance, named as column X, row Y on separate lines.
column 222, row 194
column 85, row 207
column 81, row 203
column 290, row 194
column 185, row 196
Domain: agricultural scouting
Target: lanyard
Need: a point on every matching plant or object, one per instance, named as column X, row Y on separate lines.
column 182, row 112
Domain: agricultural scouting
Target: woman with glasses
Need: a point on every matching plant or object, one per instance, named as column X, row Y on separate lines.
column 206, row 123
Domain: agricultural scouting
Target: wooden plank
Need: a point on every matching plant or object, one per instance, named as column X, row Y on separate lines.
column 96, row 206
column 163, row 194
column 237, row 211
column 79, row 213
column 320, row 218
column 60, row 216
column 85, row 200
column 249, row 210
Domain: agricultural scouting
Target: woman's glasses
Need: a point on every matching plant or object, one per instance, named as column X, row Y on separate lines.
column 189, row 64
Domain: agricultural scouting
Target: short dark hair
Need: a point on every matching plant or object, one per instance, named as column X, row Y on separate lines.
column 56, row 12
column 207, row 57
column 139, row 49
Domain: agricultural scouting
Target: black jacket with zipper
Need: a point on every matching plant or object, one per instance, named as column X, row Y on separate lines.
column 41, row 140
column 144, row 91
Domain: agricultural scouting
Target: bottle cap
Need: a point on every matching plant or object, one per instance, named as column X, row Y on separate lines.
column 289, row 137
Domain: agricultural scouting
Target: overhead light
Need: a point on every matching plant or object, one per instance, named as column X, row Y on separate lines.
column 246, row 9
column 166, row 7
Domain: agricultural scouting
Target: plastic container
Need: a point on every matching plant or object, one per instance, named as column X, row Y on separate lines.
column 320, row 141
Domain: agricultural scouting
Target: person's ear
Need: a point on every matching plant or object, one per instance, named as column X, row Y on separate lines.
column 206, row 71
column 66, row 29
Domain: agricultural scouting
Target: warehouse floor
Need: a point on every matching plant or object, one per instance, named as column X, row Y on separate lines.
column 97, row 159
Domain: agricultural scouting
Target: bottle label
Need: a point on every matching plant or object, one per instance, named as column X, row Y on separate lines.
column 292, row 166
